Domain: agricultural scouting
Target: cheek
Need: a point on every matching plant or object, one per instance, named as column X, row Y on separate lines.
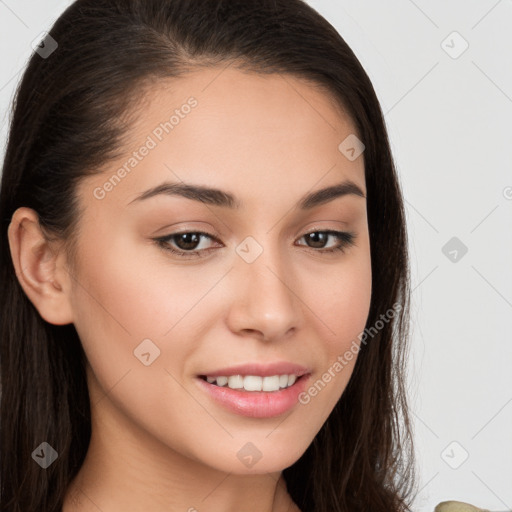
column 342, row 302
column 115, row 310
column 341, row 298
column 133, row 292
column 124, row 298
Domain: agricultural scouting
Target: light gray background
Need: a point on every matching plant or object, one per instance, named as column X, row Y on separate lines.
column 449, row 122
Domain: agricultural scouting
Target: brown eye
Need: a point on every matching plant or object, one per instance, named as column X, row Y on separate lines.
column 317, row 240
column 185, row 244
column 187, row 241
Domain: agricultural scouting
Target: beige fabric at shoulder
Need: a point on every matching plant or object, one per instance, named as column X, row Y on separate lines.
column 457, row 506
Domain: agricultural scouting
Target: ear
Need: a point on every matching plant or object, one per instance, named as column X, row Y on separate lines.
column 40, row 267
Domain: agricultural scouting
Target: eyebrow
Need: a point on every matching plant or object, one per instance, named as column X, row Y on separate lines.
column 216, row 197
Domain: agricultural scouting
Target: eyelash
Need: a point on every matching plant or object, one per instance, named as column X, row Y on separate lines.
column 346, row 239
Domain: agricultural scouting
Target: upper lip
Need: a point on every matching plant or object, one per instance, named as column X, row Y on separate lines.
column 259, row 369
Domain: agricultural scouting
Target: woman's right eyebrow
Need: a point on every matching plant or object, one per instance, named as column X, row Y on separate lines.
column 217, row 197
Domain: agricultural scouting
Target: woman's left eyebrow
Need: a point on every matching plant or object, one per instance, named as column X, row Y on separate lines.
column 217, row 197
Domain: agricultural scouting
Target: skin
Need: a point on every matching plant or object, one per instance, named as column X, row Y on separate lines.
column 159, row 442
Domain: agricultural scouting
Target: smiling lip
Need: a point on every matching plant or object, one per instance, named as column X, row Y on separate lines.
column 257, row 404
column 263, row 370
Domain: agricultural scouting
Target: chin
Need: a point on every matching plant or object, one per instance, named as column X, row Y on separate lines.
column 260, row 457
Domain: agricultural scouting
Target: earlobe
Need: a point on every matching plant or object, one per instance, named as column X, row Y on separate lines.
column 40, row 268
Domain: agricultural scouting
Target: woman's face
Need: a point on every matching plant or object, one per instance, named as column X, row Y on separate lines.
column 258, row 292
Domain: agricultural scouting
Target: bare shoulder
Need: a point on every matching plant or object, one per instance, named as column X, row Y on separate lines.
column 458, row 506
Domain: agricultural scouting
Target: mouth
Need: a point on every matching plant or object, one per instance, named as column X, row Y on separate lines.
column 255, row 396
column 252, row 383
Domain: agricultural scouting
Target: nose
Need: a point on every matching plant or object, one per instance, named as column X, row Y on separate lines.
column 266, row 301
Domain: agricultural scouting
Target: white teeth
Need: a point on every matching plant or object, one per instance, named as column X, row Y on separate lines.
column 271, row 383
column 222, row 381
column 254, row 382
column 235, row 382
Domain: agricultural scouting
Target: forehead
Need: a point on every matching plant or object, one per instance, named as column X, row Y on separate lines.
column 258, row 135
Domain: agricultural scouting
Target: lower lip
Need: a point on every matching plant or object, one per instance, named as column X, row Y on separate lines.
column 256, row 404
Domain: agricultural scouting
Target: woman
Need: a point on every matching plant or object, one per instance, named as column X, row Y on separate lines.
column 204, row 268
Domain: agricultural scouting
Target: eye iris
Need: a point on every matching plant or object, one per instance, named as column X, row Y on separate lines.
column 188, row 239
column 317, row 237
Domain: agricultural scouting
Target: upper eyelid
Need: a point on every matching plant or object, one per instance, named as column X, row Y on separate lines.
column 209, row 235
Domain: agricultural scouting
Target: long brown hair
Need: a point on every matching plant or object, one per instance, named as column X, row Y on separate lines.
column 67, row 121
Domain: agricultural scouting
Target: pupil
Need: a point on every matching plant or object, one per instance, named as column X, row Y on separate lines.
column 314, row 237
column 191, row 240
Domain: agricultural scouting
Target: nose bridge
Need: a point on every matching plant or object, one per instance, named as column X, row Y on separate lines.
column 269, row 303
